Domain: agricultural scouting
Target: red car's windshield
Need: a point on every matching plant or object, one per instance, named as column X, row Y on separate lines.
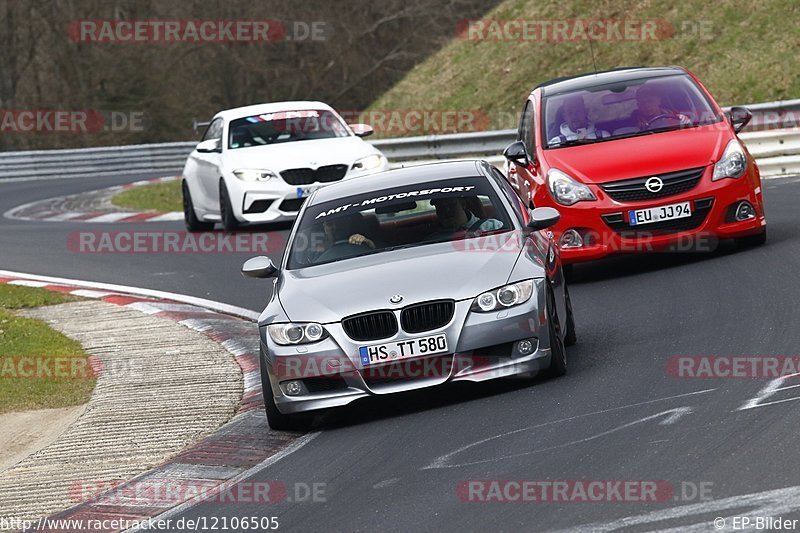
column 624, row 109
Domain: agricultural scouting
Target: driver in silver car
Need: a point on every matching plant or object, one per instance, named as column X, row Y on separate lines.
column 343, row 238
column 453, row 215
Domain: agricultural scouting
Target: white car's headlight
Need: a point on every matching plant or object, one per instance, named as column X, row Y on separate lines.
column 296, row 333
column 733, row 162
column 565, row 190
column 254, row 174
column 505, row 296
column 369, row 162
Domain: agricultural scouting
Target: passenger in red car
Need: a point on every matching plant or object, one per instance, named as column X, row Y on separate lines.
column 576, row 123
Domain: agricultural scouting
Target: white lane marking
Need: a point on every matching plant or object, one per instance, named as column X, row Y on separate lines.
column 88, row 293
column 771, row 503
column 172, row 215
column 771, row 388
column 442, row 460
column 145, row 308
column 28, row 283
column 676, row 414
column 236, row 347
column 63, row 216
column 207, row 495
column 138, row 291
column 386, row 483
column 110, row 217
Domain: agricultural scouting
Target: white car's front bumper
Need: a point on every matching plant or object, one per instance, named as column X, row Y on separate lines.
column 276, row 200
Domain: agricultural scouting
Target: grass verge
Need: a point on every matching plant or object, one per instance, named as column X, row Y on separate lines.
column 161, row 197
column 39, row 367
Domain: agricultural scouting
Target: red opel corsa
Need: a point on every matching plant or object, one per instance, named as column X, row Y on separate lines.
column 636, row 159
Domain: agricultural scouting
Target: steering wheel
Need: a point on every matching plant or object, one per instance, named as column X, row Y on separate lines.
column 347, row 241
column 662, row 116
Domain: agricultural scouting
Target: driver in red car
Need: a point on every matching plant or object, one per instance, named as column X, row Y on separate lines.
column 648, row 109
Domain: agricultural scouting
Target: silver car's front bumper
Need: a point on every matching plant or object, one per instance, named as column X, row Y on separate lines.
column 330, row 372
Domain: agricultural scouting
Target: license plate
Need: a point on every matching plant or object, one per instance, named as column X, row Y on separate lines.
column 303, row 192
column 657, row 214
column 392, row 351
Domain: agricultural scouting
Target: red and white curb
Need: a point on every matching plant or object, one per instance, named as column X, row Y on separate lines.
column 243, row 445
column 43, row 210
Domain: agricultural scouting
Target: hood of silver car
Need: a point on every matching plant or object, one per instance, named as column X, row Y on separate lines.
column 327, row 293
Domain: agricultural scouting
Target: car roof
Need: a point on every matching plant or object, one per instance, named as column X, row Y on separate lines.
column 272, row 107
column 400, row 177
column 593, row 79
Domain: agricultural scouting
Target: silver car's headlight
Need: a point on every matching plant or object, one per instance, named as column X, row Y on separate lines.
column 296, row 333
column 254, row 174
column 505, row 296
column 369, row 162
column 733, row 162
column 565, row 190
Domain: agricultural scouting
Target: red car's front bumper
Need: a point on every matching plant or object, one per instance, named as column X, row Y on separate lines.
column 606, row 230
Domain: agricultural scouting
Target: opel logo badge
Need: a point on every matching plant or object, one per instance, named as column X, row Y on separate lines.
column 654, row 184
column 396, row 299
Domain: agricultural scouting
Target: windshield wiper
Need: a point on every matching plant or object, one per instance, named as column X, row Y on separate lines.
column 574, row 142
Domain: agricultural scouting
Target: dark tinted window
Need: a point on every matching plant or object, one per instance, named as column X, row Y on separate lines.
column 401, row 217
column 214, row 130
column 285, row 126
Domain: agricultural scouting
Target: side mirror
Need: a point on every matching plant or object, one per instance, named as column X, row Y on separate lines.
column 739, row 117
column 209, row 146
column 362, row 130
column 543, row 218
column 517, row 154
column 259, row 267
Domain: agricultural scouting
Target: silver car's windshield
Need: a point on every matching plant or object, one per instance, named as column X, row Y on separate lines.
column 285, row 126
column 385, row 220
column 624, row 109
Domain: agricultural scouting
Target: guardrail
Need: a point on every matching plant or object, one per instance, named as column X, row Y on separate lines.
column 777, row 150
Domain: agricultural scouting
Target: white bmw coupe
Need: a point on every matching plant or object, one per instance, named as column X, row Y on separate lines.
column 257, row 164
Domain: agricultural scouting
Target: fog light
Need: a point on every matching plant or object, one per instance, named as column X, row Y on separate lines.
column 571, row 239
column 293, row 388
column 525, row 347
column 745, row 211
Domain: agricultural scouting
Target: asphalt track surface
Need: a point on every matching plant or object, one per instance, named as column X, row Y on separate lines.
column 396, row 463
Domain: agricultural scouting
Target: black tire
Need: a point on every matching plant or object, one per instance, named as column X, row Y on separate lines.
column 229, row 221
column 558, row 353
column 751, row 241
column 569, row 271
column 277, row 420
column 571, row 337
column 193, row 224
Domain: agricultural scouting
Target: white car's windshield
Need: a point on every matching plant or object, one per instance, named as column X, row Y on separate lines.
column 404, row 217
column 283, row 127
column 624, row 109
